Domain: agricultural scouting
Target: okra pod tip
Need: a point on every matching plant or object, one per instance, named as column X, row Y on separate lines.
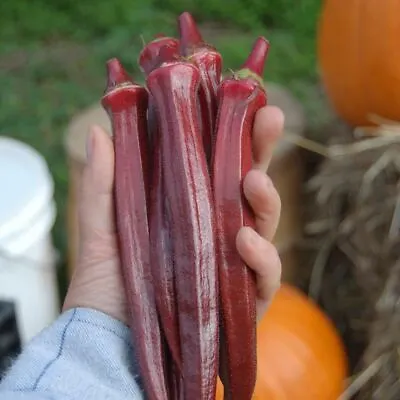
column 116, row 75
column 150, row 57
column 190, row 36
column 255, row 63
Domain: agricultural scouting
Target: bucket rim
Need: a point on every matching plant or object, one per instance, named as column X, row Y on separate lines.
column 15, row 224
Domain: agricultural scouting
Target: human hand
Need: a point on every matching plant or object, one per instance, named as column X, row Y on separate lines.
column 97, row 281
column 255, row 246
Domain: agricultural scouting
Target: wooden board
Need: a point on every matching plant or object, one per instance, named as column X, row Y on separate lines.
column 286, row 171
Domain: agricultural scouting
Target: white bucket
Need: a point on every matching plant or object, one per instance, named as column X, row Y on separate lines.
column 27, row 257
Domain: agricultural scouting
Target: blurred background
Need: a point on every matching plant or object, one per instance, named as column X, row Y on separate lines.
column 340, row 223
column 52, row 57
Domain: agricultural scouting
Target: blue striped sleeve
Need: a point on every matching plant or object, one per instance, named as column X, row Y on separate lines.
column 84, row 354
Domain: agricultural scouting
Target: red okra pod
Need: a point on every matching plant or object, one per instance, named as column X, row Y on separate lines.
column 240, row 97
column 209, row 62
column 189, row 209
column 149, row 59
column 154, row 54
column 162, row 262
column 126, row 103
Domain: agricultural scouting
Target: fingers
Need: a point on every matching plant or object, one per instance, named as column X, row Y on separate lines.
column 96, row 202
column 265, row 202
column 268, row 127
column 263, row 258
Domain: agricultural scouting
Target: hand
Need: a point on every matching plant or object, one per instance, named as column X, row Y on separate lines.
column 255, row 247
column 97, row 280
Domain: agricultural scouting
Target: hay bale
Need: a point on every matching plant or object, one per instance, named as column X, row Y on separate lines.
column 354, row 224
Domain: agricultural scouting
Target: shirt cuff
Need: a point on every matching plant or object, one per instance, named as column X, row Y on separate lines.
column 83, row 354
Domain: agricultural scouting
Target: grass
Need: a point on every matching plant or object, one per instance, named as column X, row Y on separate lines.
column 52, row 58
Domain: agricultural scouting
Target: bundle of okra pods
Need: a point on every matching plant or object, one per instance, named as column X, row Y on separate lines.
column 182, row 148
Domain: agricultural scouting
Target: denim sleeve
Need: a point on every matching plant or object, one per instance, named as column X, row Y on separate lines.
column 84, row 354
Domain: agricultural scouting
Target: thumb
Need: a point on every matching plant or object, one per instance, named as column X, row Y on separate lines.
column 96, row 203
column 97, row 282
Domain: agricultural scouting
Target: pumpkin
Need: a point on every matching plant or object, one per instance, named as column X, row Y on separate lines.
column 359, row 58
column 300, row 355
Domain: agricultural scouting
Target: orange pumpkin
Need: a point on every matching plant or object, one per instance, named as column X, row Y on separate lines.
column 358, row 51
column 300, row 355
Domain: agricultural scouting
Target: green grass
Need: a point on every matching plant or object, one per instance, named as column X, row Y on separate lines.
column 52, row 58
